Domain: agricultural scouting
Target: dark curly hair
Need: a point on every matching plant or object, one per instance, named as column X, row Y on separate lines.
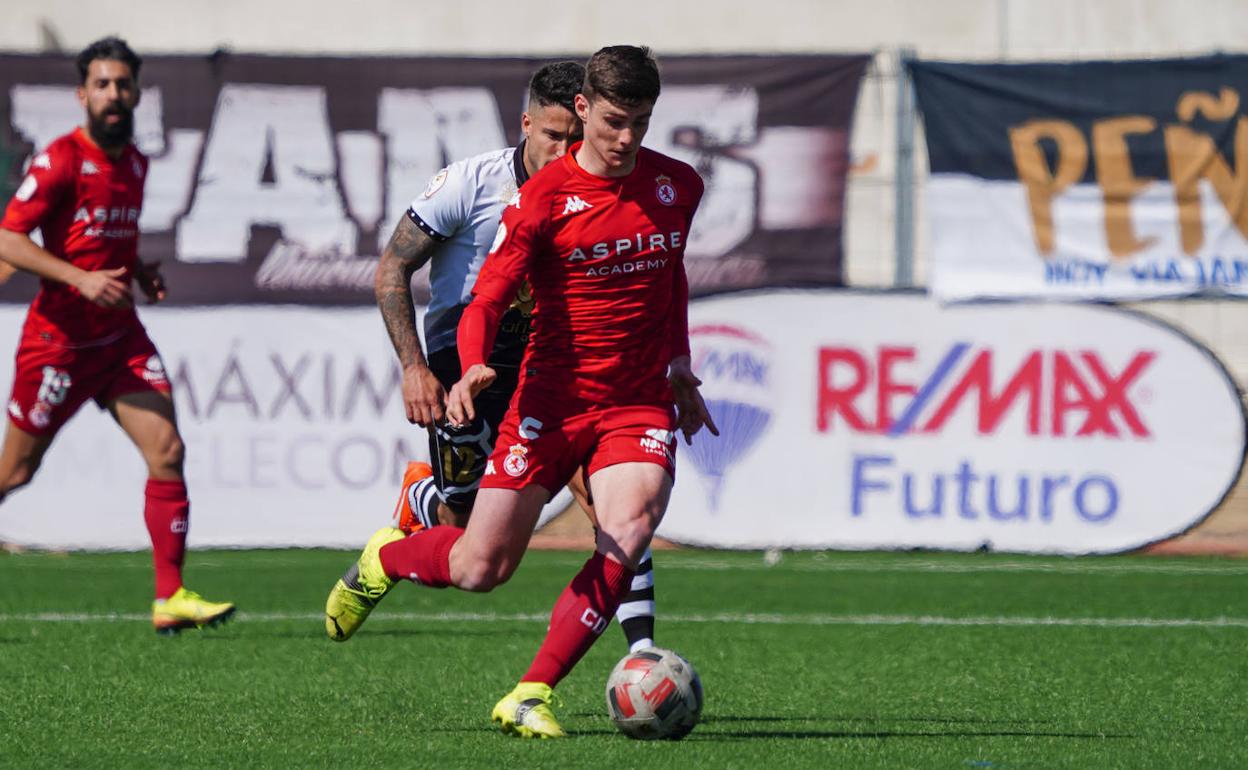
column 110, row 48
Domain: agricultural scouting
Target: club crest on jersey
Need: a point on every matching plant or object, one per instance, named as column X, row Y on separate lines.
column 509, row 193
column 575, row 205
column 435, row 184
column 40, row 415
column 664, row 190
column 517, row 461
column 89, row 168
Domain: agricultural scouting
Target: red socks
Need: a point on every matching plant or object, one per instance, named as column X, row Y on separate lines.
column 424, row 558
column 581, row 614
column 165, row 513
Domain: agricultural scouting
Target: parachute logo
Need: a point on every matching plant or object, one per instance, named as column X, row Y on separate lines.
column 734, row 366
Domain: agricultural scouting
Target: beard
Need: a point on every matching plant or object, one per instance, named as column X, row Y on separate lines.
column 112, row 135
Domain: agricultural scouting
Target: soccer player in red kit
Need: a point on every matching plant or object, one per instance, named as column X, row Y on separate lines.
column 82, row 338
column 605, row 383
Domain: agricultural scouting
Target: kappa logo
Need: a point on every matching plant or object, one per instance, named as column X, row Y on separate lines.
column 515, row 200
column 499, row 236
column 15, row 409
column 89, row 168
column 42, row 160
column 27, row 189
column 575, row 205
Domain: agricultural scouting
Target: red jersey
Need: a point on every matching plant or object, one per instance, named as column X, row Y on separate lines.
column 87, row 206
column 605, row 259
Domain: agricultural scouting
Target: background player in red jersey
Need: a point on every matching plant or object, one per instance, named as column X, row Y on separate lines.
column 605, row 382
column 82, row 338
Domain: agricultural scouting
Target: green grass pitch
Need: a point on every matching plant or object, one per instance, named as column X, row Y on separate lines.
column 859, row 660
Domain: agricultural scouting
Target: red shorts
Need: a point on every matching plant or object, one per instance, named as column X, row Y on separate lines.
column 544, row 443
column 51, row 382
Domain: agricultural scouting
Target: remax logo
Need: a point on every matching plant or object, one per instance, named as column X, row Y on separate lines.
column 734, row 365
column 1059, row 392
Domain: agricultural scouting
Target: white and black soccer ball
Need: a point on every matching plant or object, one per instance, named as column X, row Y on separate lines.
column 654, row 693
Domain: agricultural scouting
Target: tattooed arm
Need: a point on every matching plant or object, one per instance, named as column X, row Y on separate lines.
column 424, row 399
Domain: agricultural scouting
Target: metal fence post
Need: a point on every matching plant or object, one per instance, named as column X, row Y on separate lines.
column 903, row 220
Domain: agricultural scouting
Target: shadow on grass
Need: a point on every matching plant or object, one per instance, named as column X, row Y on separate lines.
column 723, row 729
column 317, row 632
column 708, row 731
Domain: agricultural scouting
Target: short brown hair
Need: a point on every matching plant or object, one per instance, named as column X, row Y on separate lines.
column 626, row 75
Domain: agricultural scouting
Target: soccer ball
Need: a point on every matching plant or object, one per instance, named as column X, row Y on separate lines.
column 654, row 693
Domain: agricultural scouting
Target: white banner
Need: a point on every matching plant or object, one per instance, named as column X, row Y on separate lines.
column 887, row 421
column 983, row 244
column 294, row 431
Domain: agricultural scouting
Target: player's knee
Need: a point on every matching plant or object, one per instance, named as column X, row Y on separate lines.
column 485, row 574
column 19, row 476
column 630, row 536
column 168, row 456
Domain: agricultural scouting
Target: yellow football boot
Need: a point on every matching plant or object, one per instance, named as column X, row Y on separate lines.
column 525, row 712
column 357, row 592
column 187, row 609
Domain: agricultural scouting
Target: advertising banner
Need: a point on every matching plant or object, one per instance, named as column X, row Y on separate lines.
column 280, row 179
column 294, row 430
column 849, row 420
column 861, row 420
column 1123, row 179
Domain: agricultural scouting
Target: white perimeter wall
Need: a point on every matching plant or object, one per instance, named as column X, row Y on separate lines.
column 951, row 29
